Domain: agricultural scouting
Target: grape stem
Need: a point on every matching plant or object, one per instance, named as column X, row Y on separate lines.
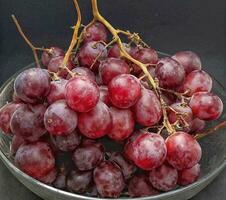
column 211, row 130
column 115, row 33
column 74, row 37
column 33, row 48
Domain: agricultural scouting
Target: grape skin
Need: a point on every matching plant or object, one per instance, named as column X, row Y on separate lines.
column 59, row 119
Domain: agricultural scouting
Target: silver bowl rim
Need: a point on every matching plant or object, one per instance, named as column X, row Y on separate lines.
column 37, row 183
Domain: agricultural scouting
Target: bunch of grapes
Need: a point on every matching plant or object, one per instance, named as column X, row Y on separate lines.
column 99, row 93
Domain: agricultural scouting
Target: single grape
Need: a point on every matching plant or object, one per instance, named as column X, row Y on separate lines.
column 17, row 141
column 51, row 53
column 188, row 176
column 206, row 106
column 95, row 123
column 149, row 151
column 114, row 51
column 95, row 32
column 59, row 119
column 6, row 113
column 81, row 94
column 122, row 124
column 104, row 95
column 35, row 159
column 197, row 81
column 127, row 168
column 108, row 179
column 124, row 90
column 89, row 52
column 189, row 60
column 60, row 181
column 57, row 89
column 145, row 56
column 27, row 123
column 67, row 143
column 183, row 113
column 147, row 109
column 197, row 125
column 128, row 148
column 83, row 71
column 164, row 178
column 79, row 182
column 183, row 151
column 169, row 73
column 50, row 177
column 32, row 85
column 55, row 64
column 139, row 186
column 111, row 67
column 87, row 157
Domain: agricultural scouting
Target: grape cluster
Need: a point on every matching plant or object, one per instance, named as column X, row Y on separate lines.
column 105, row 95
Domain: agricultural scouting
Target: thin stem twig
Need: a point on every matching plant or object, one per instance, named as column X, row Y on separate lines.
column 74, row 37
column 33, row 48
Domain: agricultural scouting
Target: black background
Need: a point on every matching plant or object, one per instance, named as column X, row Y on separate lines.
column 168, row 25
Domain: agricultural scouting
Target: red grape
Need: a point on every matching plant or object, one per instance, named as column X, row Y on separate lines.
column 50, row 177
column 183, row 151
column 32, row 85
column 197, row 81
column 6, row 113
column 35, row 159
column 147, row 109
column 87, row 157
column 59, row 119
column 81, row 94
column 83, row 71
column 114, row 51
column 146, row 56
column 111, row 67
column 57, row 89
column 89, row 52
column 27, row 123
column 124, row 90
column 169, row 73
column 127, row 169
column 197, row 125
column 188, row 176
column 189, row 60
column 140, row 187
column 206, row 106
column 79, row 182
column 17, row 141
column 51, row 53
column 184, row 115
column 67, row 143
column 128, row 148
column 109, row 180
column 149, row 151
column 55, row 64
column 104, row 95
column 122, row 124
column 95, row 123
column 95, row 32
column 164, row 178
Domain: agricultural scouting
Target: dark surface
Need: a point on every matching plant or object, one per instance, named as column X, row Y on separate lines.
column 168, row 26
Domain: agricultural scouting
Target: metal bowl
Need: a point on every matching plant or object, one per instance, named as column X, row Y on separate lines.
column 212, row 163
